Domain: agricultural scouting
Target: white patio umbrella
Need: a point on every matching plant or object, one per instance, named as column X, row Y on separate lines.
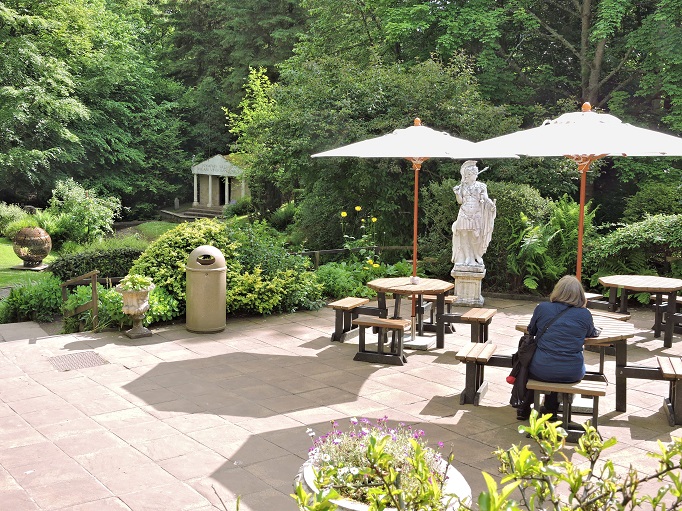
column 585, row 137
column 417, row 144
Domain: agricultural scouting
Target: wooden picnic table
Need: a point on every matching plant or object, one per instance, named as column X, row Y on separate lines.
column 403, row 286
column 653, row 284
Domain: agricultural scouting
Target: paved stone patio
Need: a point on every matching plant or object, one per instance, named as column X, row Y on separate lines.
column 183, row 421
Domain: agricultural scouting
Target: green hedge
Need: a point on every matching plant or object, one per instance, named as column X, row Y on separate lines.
column 115, row 262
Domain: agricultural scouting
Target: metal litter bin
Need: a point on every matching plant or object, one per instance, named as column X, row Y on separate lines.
column 206, row 273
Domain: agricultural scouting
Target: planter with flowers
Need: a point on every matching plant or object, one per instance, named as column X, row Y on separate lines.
column 378, row 466
column 135, row 291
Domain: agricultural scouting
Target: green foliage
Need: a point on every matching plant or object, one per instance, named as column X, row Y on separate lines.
column 34, row 301
column 9, row 213
column 165, row 259
column 543, row 473
column 283, row 217
column 280, row 291
column 134, row 282
column 240, row 207
column 261, row 276
column 85, row 216
column 440, row 211
column 654, row 198
column 650, row 247
column 329, row 102
column 162, row 307
column 543, row 252
column 114, row 262
column 378, row 465
column 348, row 278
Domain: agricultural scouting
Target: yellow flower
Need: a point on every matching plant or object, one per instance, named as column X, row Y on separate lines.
column 344, row 214
column 362, row 220
column 358, row 208
column 374, row 219
column 375, row 265
column 369, row 261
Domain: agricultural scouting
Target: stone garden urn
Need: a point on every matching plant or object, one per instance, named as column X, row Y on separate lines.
column 135, row 291
column 32, row 245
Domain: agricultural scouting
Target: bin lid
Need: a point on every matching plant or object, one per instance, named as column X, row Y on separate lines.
column 206, row 257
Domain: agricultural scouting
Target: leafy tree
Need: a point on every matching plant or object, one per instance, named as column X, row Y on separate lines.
column 211, row 49
column 329, row 102
column 37, row 106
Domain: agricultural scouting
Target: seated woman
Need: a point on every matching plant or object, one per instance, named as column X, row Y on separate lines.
column 559, row 354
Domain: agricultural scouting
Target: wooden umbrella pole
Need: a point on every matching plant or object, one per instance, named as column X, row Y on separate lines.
column 416, row 165
column 584, row 162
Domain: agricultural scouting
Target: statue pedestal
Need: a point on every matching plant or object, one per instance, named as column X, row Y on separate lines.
column 468, row 285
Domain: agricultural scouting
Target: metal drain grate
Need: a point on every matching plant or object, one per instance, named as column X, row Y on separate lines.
column 81, row 360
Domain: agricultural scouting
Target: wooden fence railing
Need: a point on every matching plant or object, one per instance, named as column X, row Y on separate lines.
column 315, row 254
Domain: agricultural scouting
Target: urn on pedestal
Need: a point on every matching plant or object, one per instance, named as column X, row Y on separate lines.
column 135, row 291
column 32, row 245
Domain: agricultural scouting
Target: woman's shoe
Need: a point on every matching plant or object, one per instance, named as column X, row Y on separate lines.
column 522, row 414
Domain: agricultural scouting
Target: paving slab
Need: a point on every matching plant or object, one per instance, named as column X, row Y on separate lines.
column 182, row 420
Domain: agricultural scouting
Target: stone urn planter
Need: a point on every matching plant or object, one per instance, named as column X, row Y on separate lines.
column 135, row 291
column 32, row 245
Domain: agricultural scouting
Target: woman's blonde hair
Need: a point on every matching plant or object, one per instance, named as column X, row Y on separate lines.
column 570, row 291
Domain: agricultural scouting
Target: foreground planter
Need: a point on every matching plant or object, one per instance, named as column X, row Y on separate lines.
column 32, row 245
column 455, row 484
column 135, row 305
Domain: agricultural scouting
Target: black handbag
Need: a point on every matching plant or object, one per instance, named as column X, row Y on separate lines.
column 521, row 360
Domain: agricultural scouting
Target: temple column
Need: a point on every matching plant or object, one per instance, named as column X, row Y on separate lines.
column 196, row 188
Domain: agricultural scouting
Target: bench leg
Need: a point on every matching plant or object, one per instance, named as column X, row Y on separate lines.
column 379, row 356
column 673, row 404
column 475, row 386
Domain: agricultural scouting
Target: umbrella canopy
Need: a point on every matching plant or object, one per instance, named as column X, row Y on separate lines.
column 585, row 137
column 417, row 144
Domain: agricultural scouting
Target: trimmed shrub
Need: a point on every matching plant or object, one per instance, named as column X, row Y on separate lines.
column 115, row 262
column 261, row 276
column 240, row 207
column 440, row 210
column 165, row 259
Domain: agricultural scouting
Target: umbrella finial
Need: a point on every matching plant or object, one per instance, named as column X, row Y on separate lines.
column 417, row 121
column 587, row 107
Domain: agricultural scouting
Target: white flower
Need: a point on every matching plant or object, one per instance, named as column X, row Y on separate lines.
column 355, row 471
column 353, row 420
column 310, row 432
column 326, row 457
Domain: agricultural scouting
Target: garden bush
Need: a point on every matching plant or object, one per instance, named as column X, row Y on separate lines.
column 114, row 262
column 348, row 278
column 162, row 307
column 261, row 276
column 440, row 211
column 654, row 198
column 34, row 301
column 240, row 207
column 650, row 247
column 10, row 213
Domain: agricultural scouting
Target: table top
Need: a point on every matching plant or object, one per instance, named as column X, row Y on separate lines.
column 611, row 330
column 402, row 286
column 650, row 283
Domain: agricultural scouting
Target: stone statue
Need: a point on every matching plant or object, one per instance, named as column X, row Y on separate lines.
column 472, row 230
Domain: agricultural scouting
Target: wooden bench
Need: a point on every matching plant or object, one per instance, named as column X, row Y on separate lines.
column 595, row 389
column 597, row 301
column 347, row 309
column 475, row 355
column 395, row 355
column 671, row 369
column 479, row 319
